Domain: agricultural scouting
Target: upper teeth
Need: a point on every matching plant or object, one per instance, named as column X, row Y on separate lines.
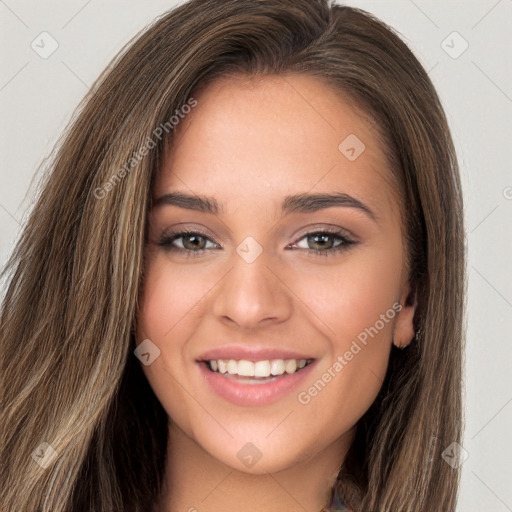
column 258, row 368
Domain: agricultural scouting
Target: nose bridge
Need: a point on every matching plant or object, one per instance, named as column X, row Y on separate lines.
column 251, row 292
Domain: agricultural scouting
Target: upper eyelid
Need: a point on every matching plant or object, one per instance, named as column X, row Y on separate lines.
column 313, row 228
column 184, row 232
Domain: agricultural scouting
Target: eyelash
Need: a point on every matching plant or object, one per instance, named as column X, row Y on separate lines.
column 166, row 241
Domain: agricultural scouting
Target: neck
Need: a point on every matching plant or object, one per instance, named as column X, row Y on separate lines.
column 194, row 481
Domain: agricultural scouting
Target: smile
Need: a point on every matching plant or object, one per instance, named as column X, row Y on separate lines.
column 254, row 383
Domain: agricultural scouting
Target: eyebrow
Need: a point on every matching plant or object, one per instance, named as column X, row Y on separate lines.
column 301, row 203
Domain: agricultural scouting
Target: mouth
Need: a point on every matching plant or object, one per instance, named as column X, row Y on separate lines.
column 256, row 382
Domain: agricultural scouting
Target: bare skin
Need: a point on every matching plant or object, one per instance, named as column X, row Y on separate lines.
column 250, row 144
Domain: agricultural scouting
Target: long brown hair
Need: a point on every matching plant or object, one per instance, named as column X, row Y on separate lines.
column 70, row 377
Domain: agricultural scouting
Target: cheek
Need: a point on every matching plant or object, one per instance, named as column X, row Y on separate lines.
column 355, row 306
column 169, row 308
column 351, row 296
column 172, row 296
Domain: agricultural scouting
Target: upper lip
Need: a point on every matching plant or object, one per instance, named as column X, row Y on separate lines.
column 252, row 354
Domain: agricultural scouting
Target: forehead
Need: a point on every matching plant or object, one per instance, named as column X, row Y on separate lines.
column 259, row 139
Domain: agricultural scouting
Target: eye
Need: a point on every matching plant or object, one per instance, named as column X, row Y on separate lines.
column 325, row 243
column 193, row 243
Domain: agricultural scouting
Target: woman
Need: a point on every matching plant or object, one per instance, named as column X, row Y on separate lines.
column 172, row 341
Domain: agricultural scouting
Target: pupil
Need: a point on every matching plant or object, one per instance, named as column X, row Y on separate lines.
column 195, row 244
column 324, row 237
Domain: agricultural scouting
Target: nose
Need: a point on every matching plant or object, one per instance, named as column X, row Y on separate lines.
column 252, row 295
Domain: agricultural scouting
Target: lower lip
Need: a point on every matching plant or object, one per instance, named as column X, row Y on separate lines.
column 249, row 395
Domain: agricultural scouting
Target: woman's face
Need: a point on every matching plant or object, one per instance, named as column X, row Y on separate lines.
column 294, row 255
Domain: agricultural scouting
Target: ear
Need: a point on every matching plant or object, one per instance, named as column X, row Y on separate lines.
column 404, row 331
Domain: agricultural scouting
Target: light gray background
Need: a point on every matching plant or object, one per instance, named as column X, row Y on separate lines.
column 38, row 96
